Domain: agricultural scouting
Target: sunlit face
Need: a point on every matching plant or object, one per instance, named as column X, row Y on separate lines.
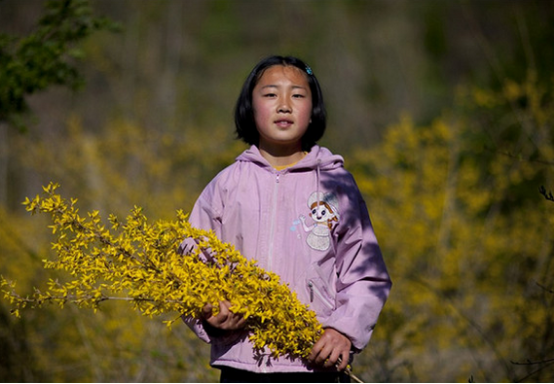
column 282, row 104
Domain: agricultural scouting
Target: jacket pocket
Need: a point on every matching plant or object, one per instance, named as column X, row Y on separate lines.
column 320, row 300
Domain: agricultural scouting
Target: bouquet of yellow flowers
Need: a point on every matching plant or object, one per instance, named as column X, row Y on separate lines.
column 140, row 262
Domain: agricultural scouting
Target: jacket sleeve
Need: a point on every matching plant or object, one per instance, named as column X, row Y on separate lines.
column 206, row 215
column 363, row 283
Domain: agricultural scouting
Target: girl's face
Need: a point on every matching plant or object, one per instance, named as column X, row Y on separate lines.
column 282, row 104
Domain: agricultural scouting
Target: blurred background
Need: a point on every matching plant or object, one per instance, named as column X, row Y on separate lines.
column 443, row 111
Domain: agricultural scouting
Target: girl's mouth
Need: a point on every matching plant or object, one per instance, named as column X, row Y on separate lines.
column 283, row 123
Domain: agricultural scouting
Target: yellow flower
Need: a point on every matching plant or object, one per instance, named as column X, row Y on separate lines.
column 139, row 262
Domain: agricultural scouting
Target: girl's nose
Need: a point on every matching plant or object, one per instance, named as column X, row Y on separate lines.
column 284, row 107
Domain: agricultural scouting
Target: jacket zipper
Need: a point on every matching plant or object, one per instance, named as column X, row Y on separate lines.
column 272, row 222
column 317, row 292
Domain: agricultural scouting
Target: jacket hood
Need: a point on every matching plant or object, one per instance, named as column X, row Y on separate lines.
column 318, row 158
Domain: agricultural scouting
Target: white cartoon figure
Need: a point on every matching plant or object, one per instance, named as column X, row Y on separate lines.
column 324, row 211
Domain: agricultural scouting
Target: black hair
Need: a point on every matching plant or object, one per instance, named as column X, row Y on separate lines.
column 244, row 112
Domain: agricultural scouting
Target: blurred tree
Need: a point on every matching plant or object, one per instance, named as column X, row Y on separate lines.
column 468, row 240
column 45, row 57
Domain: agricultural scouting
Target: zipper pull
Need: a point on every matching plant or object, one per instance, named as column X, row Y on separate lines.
column 311, row 286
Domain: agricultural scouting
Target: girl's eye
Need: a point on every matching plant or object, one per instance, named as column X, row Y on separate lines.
column 269, row 95
column 298, row 96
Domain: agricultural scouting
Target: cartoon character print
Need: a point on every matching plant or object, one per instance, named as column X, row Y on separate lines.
column 323, row 211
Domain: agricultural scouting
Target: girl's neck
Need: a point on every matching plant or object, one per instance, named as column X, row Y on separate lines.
column 280, row 156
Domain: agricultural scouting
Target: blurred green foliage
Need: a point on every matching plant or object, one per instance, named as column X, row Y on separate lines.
column 442, row 110
column 46, row 56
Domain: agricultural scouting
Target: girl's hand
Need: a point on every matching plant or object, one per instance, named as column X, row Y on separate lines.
column 225, row 319
column 329, row 348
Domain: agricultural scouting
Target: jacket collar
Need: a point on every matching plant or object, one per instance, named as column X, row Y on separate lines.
column 319, row 158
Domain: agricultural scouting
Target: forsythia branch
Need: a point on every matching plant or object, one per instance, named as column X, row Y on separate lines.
column 140, row 262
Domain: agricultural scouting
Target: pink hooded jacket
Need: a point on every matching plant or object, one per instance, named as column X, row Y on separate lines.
column 309, row 224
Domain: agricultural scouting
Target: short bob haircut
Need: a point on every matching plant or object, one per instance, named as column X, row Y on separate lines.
column 244, row 112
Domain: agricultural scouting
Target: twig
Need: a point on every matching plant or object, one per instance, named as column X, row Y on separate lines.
column 547, row 195
column 529, row 362
column 547, row 363
column 352, row 376
column 545, row 288
column 349, row 372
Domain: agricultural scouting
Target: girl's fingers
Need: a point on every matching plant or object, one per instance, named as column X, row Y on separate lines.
column 342, row 361
column 320, row 353
column 229, row 320
column 332, row 349
column 225, row 319
column 207, row 311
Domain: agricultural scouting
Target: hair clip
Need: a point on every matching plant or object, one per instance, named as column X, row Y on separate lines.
column 309, row 70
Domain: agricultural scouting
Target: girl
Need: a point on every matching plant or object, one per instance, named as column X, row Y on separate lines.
column 255, row 204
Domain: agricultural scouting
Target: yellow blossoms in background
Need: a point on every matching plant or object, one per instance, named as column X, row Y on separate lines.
column 141, row 262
